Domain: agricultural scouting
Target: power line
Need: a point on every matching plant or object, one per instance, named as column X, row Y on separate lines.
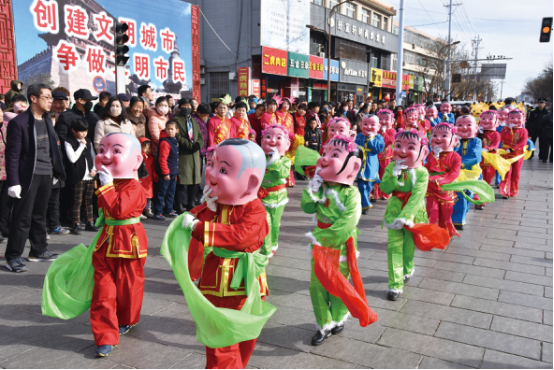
column 428, row 13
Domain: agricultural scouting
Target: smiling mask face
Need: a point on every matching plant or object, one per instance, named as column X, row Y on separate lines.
column 121, row 154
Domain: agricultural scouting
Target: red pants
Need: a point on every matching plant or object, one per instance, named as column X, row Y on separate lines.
column 377, row 194
column 441, row 211
column 290, row 180
column 237, row 355
column 509, row 187
column 488, row 173
column 117, row 295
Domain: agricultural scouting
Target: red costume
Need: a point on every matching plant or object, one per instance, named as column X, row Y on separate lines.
column 286, row 121
column 491, row 142
column 237, row 228
column 256, row 125
column 300, row 124
column 269, row 119
column 425, row 124
column 219, row 129
column 241, row 128
column 384, row 159
column 516, row 140
column 118, row 262
column 440, row 203
column 150, row 165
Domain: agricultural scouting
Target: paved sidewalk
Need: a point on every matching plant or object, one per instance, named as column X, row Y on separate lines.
column 485, row 302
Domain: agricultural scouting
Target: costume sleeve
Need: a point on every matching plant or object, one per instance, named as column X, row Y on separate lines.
column 389, row 182
column 281, row 167
column 455, row 164
column 247, row 232
column 473, row 157
column 417, row 198
column 264, row 121
column 165, row 148
column 307, row 202
column 494, row 138
column 341, row 230
column 388, row 137
column 74, row 155
column 119, row 204
column 360, row 139
column 377, row 144
column 522, row 143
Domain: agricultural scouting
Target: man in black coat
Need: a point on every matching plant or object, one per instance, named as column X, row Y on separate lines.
column 533, row 124
column 33, row 164
column 81, row 109
column 545, row 137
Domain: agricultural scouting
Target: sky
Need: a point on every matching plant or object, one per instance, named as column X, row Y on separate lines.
column 510, row 28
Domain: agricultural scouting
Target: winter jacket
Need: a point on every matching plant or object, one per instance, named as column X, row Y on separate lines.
column 139, row 124
column 156, row 124
column 204, row 129
column 168, row 157
column 65, row 119
column 76, row 171
column 312, row 138
column 21, row 151
column 534, row 121
column 3, row 131
column 546, row 126
column 14, row 91
column 189, row 152
column 107, row 126
column 150, row 165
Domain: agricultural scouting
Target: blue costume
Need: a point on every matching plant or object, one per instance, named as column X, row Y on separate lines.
column 497, row 178
column 471, row 152
column 434, row 121
column 369, row 173
column 449, row 118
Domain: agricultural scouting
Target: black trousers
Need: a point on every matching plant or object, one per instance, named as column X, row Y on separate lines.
column 545, row 145
column 28, row 219
column 53, row 211
column 533, row 136
column 189, row 191
column 6, row 203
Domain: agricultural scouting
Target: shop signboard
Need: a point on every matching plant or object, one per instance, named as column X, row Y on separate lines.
column 377, row 77
column 316, row 67
column 334, row 69
column 411, row 82
column 274, row 61
column 389, row 80
column 298, row 65
column 283, row 25
column 244, row 81
column 420, row 84
column 70, row 43
column 256, row 87
column 353, row 71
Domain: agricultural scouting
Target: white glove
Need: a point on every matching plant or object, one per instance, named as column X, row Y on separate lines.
column 398, row 167
column 371, row 137
column 210, row 201
column 15, row 191
column 509, row 150
column 481, row 129
column 316, row 182
column 399, row 223
column 383, row 129
column 105, row 176
column 485, row 150
column 510, row 125
column 189, row 221
column 437, row 151
column 272, row 157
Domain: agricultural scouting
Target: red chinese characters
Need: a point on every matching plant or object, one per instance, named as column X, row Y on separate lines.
column 66, row 55
column 96, row 59
column 178, row 71
column 148, row 37
column 45, row 16
column 142, row 65
column 161, row 66
column 131, row 32
column 168, row 39
column 76, row 21
column 105, row 25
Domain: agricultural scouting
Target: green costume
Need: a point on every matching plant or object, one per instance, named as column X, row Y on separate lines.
column 411, row 183
column 340, row 206
column 276, row 174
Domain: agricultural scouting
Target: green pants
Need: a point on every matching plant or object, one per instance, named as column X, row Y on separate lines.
column 328, row 309
column 400, row 253
column 274, row 204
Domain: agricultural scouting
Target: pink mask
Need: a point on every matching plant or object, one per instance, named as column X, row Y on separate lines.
column 489, row 121
column 236, row 172
column 443, row 138
column 121, row 154
column 20, row 107
column 446, row 108
column 466, row 127
column 412, row 116
column 386, row 120
column 338, row 128
column 409, row 151
column 516, row 119
column 275, row 138
column 370, row 125
column 332, row 161
column 503, row 116
column 431, row 112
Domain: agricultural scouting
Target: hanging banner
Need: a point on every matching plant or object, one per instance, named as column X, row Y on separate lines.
column 244, row 81
column 69, row 43
column 283, row 25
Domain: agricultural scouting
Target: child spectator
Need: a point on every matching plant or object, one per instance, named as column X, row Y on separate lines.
column 312, row 136
column 168, row 169
column 148, row 181
column 252, row 135
column 80, row 173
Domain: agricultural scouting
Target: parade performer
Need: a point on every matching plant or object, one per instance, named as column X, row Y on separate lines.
column 336, row 126
column 288, row 123
column 228, row 305
column 432, row 114
column 241, row 126
column 446, row 115
column 219, row 126
column 108, row 276
column 372, row 144
column 470, row 149
column 422, row 120
column 490, row 137
column 412, row 120
column 270, row 117
column 386, row 120
column 336, row 204
column 273, row 192
column 514, row 139
column 444, row 166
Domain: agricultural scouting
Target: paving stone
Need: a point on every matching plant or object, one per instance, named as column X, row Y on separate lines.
column 419, row 294
column 192, row 361
column 461, row 316
column 498, row 308
column 522, row 328
column 532, row 261
column 537, row 246
column 529, row 269
column 435, row 363
column 512, row 251
column 503, row 285
column 266, row 356
column 547, row 352
column 459, row 288
column 525, row 300
column 49, row 358
column 283, row 336
column 433, row 347
column 547, row 317
column 527, row 278
column 398, row 320
column 499, row 360
column 548, row 292
column 470, row 269
column 477, row 253
column 489, row 339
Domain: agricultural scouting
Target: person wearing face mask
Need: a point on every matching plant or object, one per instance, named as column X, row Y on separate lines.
column 81, row 109
column 135, row 114
column 157, row 118
column 19, row 105
column 113, row 119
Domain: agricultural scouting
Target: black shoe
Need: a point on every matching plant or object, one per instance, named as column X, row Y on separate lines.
column 364, row 211
column 373, row 200
column 103, row 351
column 16, row 265
column 480, row 207
column 43, row 257
column 77, row 229
column 2, row 239
column 320, row 337
column 505, row 197
column 180, row 210
column 392, row 295
column 337, row 329
column 148, row 213
column 459, row 227
column 90, row 227
column 124, row 329
column 407, row 278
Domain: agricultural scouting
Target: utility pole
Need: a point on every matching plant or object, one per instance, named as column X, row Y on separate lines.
column 447, row 76
column 476, row 42
column 501, row 87
column 399, row 59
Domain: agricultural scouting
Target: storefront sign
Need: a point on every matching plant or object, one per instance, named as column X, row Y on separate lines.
column 195, row 23
column 319, row 86
column 411, row 82
column 419, row 84
column 244, row 81
column 377, row 77
column 298, row 65
column 353, row 71
column 316, row 67
column 256, row 87
column 264, row 88
column 334, row 69
column 388, row 79
column 283, row 25
column 274, row 61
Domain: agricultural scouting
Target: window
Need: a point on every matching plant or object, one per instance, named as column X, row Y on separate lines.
column 350, row 10
column 365, row 15
column 374, row 62
column 350, row 50
column 219, row 82
column 376, row 20
column 385, row 24
column 332, row 3
column 318, row 2
column 394, row 62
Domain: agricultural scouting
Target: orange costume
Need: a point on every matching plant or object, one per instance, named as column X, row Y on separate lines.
column 491, row 142
column 241, row 128
column 219, row 129
column 269, row 119
column 384, row 159
column 240, row 228
column 118, row 261
column 516, row 140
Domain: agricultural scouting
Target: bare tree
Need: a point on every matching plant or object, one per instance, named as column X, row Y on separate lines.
column 541, row 86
